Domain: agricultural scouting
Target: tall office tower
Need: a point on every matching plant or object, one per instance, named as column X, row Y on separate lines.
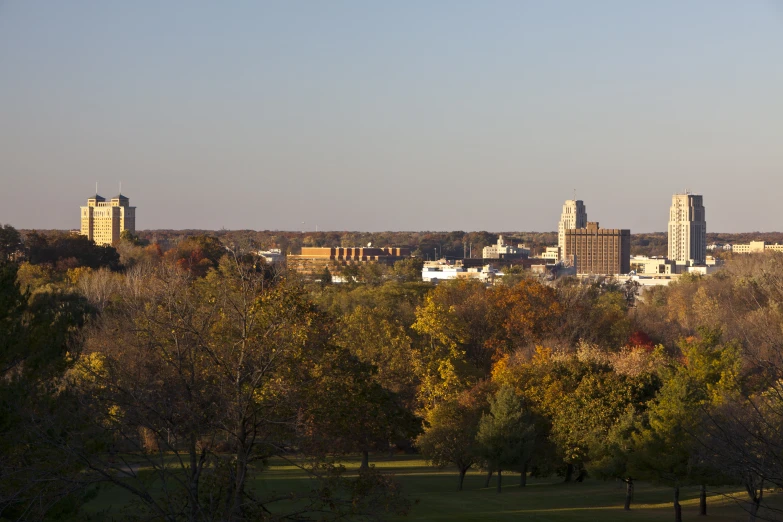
column 687, row 229
column 103, row 222
column 595, row 250
column 574, row 216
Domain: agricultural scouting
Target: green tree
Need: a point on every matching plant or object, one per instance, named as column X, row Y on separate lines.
column 351, row 412
column 373, row 273
column 667, row 448
column 68, row 249
column 609, row 452
column 326, row 277
column 38, row 343
column 133, row 239
column 408, row 270
column 588, row 412
column 10, row 242
column 506, row 434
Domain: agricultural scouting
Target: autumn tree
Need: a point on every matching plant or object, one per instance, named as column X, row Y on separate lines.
column 450, row 432
column 452, row 323
column 376, row 338
column 197, row 254
column 397, row 301
column 217, row 372
column 526, row 313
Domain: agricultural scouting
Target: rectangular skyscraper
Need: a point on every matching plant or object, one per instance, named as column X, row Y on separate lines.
column 687, row 229
column 596, row 250
column 574, row 216
column 103, row 222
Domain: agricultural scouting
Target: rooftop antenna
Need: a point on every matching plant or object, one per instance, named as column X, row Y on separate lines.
column 120, row 187
column 96, row 188
column 574, row 194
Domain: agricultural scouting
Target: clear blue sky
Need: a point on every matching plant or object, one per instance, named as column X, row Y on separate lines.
column 410, row 115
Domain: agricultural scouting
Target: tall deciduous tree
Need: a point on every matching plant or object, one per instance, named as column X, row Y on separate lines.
column 377, row 339
column 203, row 379
column 351, row 412
column 442, row 364
column 450, row 432
column 10, row 242
column 38, row 342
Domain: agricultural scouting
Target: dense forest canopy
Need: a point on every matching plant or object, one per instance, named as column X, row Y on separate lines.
column 197, row 363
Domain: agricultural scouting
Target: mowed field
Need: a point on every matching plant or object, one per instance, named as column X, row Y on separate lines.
column 546, row 500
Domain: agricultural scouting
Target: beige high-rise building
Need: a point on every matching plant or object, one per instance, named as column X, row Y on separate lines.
column 687, row 229
column 103, row 222
column 574, row 216
column 595, row 250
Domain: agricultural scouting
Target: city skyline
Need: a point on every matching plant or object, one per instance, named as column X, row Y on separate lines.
column 559, row 229
column 350, row 116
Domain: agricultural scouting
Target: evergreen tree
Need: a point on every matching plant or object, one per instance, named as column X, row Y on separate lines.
column 506, row 434
column 667, row 448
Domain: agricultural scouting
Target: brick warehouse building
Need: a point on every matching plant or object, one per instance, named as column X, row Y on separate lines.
column 313, row 260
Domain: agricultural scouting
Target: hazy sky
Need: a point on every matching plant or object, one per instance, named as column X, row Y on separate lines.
column 404, row 115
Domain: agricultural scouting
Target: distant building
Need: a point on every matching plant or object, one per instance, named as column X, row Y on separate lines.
column 273, row 255
column 552, row 254
column 644, row 265
column 702, row 269
column 503, row 251
column 438, row 271
column 103, row 222
column 687, row 229
column 574, row 216
column 600, row 251
column 648, row 281
column 756, row 247
column 313, row 260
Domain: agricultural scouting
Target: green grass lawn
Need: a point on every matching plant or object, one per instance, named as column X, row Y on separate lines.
column 542, row 499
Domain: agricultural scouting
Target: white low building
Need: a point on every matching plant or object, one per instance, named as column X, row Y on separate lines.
column 436, row 271
column 551, row 254
column 702, row 269
column 274, row 255
column 647, row 281
column 653, row 265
